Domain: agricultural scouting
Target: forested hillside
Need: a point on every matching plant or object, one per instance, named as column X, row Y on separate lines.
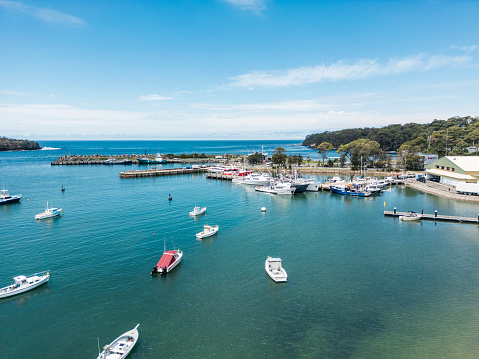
column 8, row 144
column 456, row 134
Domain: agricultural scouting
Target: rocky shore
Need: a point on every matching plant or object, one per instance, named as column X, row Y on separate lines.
column 10, row 144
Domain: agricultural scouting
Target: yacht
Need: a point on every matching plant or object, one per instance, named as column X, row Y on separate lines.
column 197, row 211
column 5, row 197
column 277, row 188
column 254, row 179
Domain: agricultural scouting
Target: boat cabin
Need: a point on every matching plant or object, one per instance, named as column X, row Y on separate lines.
column 275, row 264
column 21, row 279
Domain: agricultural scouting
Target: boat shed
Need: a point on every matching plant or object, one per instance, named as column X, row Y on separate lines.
column 452, row 170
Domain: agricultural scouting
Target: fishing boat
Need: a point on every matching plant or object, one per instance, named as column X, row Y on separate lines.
column 121, row 346
column 197, row 211
column 23, row 283
column 410, row 216
column 5, row 197
column 168, row 261
column 275, row 270
column 148, row 161
column 49, row 212
column 207, row 231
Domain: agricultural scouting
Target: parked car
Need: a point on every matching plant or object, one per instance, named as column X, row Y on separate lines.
column 421, row 179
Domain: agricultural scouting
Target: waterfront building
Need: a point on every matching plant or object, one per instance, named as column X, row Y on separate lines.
column 428, row 158
column 454, row 170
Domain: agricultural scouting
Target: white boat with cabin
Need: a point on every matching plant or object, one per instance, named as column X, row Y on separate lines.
column 277, row 188
column 121, row 346
column 24, row 283
column 207, row 231
column 197, row 211
column 410, row 216
column 49, row 212
column 5, row 197
column 254, row 179
column 275, row 270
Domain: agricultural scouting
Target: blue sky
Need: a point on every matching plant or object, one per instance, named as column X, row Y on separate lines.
column 232, row 69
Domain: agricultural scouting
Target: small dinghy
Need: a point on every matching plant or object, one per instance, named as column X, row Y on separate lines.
column 207, row 231
column 197, row 211
column 49, row 212
column 24, row 283
column 121, row 346
column 275, row 270
column 410, row 216
column 168, row 261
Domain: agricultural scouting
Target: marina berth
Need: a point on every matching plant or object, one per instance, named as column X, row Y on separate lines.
column 275, row 269
column 24, row 283
column 5, row 197
column 121, row 346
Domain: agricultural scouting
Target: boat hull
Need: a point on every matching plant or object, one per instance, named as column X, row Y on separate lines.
column 204, row 234
column 4, row 292
column 276, row 273
column 11, row 199
column 121, row 346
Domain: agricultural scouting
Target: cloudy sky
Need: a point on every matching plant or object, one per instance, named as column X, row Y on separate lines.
column 232, row 69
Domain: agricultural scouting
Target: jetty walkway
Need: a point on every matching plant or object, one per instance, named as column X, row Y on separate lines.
column 437, row 217
column 161, row 172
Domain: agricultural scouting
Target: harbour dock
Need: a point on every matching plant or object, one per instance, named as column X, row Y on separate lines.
column 161, row 172
column 437, row 217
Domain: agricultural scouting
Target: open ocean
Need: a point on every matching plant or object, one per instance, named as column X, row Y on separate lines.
column 360, row 285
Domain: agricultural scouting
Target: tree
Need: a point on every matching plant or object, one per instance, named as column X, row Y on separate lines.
column 279, row 156
column 324, row 149
column 362, row 149
column 255, row 158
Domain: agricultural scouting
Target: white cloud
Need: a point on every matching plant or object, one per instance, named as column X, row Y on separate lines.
column 50, row 16
column 257, row 6
column 155, row 97
column 342, row 70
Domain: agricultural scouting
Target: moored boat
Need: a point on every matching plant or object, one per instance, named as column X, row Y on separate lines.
column 49, row 212
column 121, row 346
column 197, row 211
column 207, row 231
column 275, row 270
column 277, row 188
column 24, row 283
column 5, row 197
column 410, row 216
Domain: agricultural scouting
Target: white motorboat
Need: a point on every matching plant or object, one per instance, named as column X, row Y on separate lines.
column 121, row 346
column 24, row 283
column 410, row 216
column 275, row 270
column 313, row 185
column 337, row 180
column 207, row 231
column 198, row 211
column 49, row 212
column 277, row 188
column 254, row 179
column 373, row 188
column 5, row 197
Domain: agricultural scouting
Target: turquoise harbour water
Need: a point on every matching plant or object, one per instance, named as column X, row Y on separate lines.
column 360, row 285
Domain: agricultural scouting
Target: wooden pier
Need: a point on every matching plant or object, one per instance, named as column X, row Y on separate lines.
column 437, row 217
column 161, row 172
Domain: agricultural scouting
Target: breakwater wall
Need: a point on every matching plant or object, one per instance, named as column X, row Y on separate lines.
column 72, row 160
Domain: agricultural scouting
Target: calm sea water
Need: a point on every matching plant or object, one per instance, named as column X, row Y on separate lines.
column 359, row 285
